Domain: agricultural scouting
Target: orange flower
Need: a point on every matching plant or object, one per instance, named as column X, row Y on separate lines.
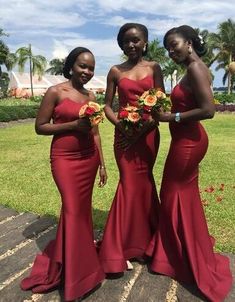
column 83, row 110
column 133, row 117
column 209, row 189
column 160, row 95
column 150, row 100
column 96, row 120
column 221, row 187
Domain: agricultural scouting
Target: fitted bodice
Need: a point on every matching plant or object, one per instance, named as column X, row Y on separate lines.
column 128, row 89
column 182, row 99
column 73, row 143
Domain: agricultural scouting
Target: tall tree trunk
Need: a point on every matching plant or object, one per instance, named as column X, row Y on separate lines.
column 30, row 70
column 229, row 74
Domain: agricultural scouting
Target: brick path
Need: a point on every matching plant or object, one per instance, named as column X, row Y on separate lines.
column 22, row 235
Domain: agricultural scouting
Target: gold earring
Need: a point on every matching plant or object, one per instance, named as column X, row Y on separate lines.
column 190, row 50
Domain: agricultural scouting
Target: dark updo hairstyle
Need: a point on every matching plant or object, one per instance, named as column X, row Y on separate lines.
column 70, row 60
column 189, row 34
column 128, row 26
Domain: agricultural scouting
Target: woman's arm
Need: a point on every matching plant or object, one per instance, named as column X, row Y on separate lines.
column 102, row 168
column 109, row 95
column 45, row 127
column 200, row 86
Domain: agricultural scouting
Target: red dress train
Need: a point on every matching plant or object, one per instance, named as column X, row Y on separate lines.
column 133, row 216
column 182, row 247
column 71, row 259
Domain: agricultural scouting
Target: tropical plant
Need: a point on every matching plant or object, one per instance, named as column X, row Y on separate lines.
column 37, row 64
column 156, row 52
column 4, row 81
column 224, row 43
column 57, row 66
column 173, row 71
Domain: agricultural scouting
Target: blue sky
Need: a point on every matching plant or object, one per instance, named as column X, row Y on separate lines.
column 56, row 27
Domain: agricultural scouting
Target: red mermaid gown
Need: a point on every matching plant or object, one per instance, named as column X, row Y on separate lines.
column 182, row 247
column 133, row 216
column 71, row 259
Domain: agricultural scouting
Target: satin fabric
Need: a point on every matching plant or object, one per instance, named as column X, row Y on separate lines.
column 182, row 247
column 133, row 215
column 71, row 260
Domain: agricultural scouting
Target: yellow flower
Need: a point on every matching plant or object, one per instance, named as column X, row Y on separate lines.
column 94, row 105
column 133, row 117
column 150, row 100
column 82, row 110
column 131, row 108
column 160, row 95
column 143, row 96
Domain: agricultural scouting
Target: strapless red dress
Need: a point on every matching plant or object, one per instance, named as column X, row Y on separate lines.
column 133, row 216
column 182, row 247
column 70, row 260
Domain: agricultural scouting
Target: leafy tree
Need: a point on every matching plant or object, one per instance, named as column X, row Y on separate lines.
column 172, row 70
column 37, row 64
column 224, row 44
column 156, row 52
column 4, row 81
column 57, row 66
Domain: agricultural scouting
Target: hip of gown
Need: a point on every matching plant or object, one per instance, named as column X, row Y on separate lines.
column 71, row 259
column 133, row 215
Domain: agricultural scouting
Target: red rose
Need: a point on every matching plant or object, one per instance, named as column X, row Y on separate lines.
column 123, row 114
column 89, row 111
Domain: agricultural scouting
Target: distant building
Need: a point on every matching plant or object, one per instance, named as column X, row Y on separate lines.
column 19, row 85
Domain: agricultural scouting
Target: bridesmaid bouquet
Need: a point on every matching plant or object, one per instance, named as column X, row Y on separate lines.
column 93, row 111
column 130, row 117
column 154, row 99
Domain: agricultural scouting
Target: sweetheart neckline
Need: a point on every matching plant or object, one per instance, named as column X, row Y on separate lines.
column 133, row 80
column 68, row 99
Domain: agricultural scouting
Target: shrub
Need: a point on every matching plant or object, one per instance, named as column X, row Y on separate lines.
column 12, row 109
column 224, row 97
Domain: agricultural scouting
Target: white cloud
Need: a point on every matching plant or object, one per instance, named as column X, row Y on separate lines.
column 56, row 27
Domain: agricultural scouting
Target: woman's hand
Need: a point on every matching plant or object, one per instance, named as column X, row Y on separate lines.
column 161, row 116
column 103, row 177
column 83, row 125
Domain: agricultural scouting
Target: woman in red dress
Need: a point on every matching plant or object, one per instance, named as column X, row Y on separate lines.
column 71, row 259
column 132, row 219
column 182, row 247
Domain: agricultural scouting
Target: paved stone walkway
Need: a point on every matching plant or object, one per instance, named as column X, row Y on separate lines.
column 22, row 235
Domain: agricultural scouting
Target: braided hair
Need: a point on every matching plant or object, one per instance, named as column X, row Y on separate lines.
column 128, row 26
column 70, row 60
column 189, row 34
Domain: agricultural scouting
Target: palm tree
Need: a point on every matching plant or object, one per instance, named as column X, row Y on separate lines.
column 224, row 43
column 156, row 52
column 57, row 66
column 37, row 64
column 172, row 70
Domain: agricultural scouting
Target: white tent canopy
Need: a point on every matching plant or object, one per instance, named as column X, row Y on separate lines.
column 19, row 84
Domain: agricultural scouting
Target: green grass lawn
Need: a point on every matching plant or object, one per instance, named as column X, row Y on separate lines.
column 27, row 185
